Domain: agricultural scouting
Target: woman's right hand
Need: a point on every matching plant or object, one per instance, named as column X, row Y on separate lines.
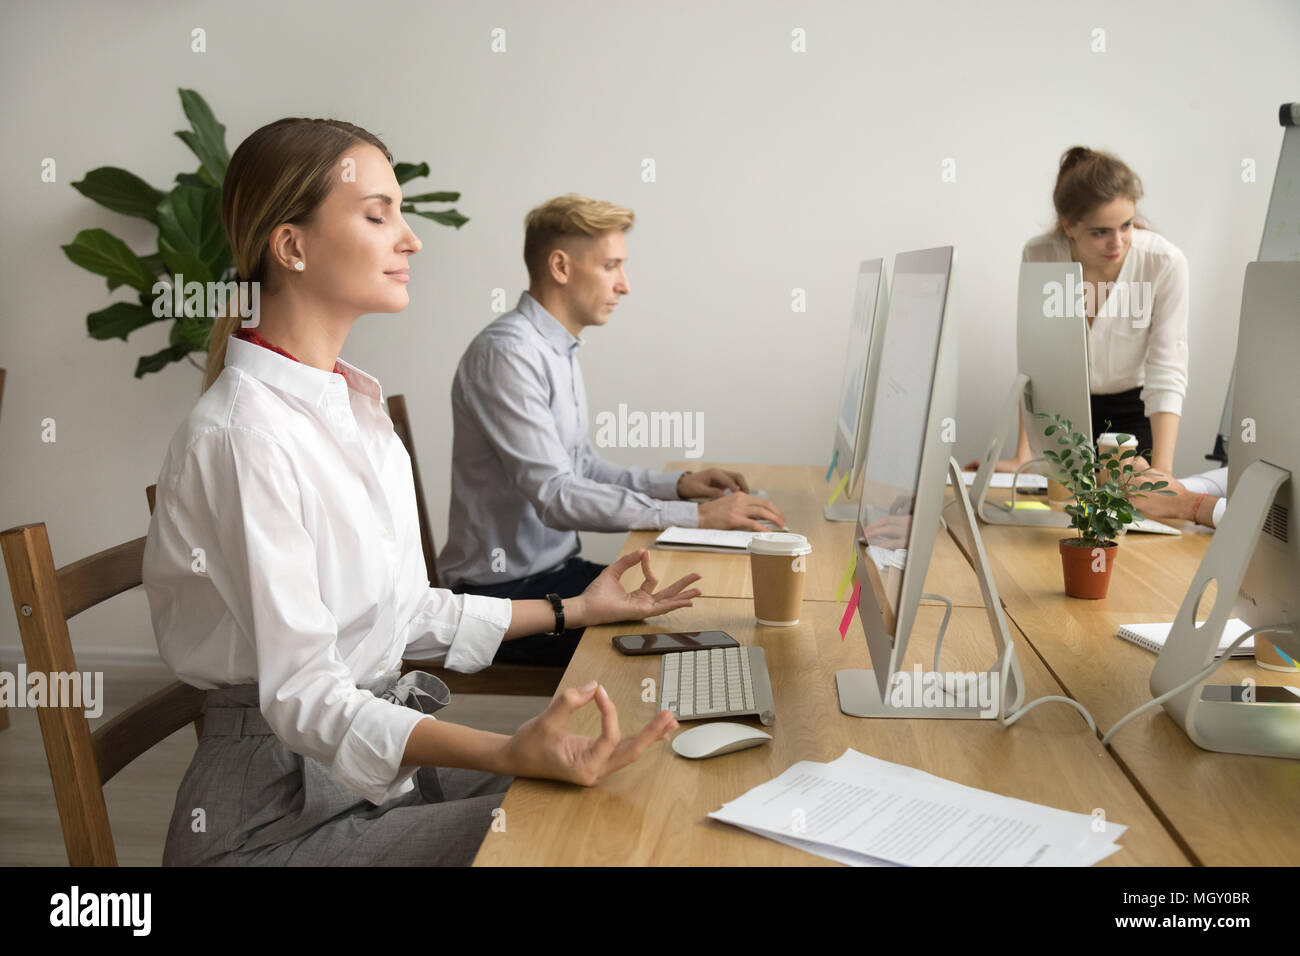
column 543, row 747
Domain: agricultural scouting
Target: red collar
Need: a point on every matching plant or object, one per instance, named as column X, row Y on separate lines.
column 251, row 336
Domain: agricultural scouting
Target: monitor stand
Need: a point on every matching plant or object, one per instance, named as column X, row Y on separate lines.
column 842, row 510
column 1240, row 727
column 859, row 691
column 994, row 512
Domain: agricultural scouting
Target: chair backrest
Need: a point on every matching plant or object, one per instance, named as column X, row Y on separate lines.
column 82, row 762
column 402, row 425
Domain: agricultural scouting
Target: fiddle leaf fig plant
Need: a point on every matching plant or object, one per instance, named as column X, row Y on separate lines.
column 190, row 243
column 1102, row 485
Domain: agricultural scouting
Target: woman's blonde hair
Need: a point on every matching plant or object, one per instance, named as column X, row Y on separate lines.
column 565, row 217
column 1088, row 179
column 280, row 174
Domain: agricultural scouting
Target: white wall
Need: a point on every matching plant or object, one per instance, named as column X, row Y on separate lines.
column 776, row 170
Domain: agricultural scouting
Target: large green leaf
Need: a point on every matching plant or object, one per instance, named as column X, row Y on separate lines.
column 120, row 191
column 208, row 139
column 191, row 333
column 448, row 218
column 159, row 360
column 100, row 252
column 119, row 320
column 189, row 226
column 405, row 172
column 432, row 197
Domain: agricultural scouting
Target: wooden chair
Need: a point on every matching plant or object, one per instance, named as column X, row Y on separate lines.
column 514, row 680
column 82, row 762
column 4, row 714
column 525, row 680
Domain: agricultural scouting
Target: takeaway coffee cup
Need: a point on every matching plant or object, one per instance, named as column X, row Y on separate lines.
column 1108, row 443
column 779, row 563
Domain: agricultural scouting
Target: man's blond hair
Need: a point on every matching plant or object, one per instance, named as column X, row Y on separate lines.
column 566, row 217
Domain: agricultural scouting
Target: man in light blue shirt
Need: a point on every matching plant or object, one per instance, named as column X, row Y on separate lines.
column 525, row 479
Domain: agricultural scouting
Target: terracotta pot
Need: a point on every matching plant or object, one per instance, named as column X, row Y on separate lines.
column 1087, row 574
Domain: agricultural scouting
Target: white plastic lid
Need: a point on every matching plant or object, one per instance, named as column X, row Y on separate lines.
column 779, row 542
column 1112, row 439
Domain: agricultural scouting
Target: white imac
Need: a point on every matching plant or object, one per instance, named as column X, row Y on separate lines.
column 861, row 364
column 1255, row 554
column 908, row 461
column 1052, row 353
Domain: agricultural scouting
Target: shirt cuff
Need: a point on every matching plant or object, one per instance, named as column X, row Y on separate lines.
column 663, row 484
column 1220, row 507
column 483, row 624
column 369, row 758
column 1162, row 400
column 679, row 514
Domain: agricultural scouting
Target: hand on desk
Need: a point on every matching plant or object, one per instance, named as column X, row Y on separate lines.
column 710, row 483
column 740, row 511
column 543, row 747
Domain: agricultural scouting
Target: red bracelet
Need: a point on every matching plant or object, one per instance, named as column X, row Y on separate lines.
column 1197, row 507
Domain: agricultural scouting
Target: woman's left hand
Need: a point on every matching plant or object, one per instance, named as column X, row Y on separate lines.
column 605, row 600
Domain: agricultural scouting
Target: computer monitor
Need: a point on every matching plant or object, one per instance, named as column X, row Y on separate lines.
column 908, row 459
column 861, row 365
column 1254, row 557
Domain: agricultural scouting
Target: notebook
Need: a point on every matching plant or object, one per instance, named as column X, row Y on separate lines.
column 1152, row 636
column 704, row 539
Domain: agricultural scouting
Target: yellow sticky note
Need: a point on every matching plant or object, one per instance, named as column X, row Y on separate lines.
column 1032, row 506
column 838, row 488
column 847, row 576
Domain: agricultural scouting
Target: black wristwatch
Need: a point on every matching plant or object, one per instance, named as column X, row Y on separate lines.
column 558, row 606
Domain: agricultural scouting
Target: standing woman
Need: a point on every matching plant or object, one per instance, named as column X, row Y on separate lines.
column 1137, row 347
column 283, row 565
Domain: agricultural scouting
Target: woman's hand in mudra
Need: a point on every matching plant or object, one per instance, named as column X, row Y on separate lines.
column 543, row 747
column 605, row 600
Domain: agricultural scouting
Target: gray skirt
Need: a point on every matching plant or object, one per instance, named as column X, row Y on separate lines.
column 248, row 800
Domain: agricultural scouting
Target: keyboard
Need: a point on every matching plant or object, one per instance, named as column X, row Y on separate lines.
column 717, row 682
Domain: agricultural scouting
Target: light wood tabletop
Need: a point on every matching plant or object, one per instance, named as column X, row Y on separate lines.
column 799, row 491
column 653, row 812
column 1226, row 809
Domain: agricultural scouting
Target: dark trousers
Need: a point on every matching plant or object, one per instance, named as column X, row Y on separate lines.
column 568, row 580
column 1127, row 415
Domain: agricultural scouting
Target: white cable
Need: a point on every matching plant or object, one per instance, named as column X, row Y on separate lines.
column 1196, row 678
column 1015, row 480
column 1008, row 719
column 943, row 625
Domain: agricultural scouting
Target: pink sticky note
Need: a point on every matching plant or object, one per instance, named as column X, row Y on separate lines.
column 849, row 611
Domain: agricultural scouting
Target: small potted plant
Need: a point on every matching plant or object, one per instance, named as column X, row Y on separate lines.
column 1101, row 486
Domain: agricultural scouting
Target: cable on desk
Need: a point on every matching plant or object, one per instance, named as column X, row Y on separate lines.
column 1196, row 678
column 943, row 625
column 1008, row 719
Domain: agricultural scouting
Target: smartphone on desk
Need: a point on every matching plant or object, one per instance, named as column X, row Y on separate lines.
column 670, row 643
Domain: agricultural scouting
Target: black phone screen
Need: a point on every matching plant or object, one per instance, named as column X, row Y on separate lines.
column 669, row 643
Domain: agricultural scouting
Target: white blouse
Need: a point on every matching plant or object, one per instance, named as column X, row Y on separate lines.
column 284, row 550
column 1127, row 350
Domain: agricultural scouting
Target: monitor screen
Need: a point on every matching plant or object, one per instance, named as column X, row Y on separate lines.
column 859, row 347
column 896, row 438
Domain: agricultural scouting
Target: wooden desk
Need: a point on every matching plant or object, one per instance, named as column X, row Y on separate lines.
column 1225, row 809
column 799, row 491
column 654, row 811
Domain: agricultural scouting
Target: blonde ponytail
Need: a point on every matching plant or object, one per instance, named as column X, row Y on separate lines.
column 222, row 329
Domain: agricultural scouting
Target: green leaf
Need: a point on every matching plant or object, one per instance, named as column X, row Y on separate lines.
column 1049, row 430
column 159, row 360
column 102, row 253
column 208, row 139
column 191, row 239
column 120, row 191
column 191, row 333
column 448, row 218
column 432, row 197
column 405, row 172
column 154, row 263
column 1128, row 453
column 119, row 320
column 191, row 179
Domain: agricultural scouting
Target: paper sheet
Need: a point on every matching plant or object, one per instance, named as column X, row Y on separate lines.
column 868, row 812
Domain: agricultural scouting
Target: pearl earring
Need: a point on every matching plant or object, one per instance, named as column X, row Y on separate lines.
column 300, row 265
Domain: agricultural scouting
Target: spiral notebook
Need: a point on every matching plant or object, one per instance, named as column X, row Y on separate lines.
column 1152, row 636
